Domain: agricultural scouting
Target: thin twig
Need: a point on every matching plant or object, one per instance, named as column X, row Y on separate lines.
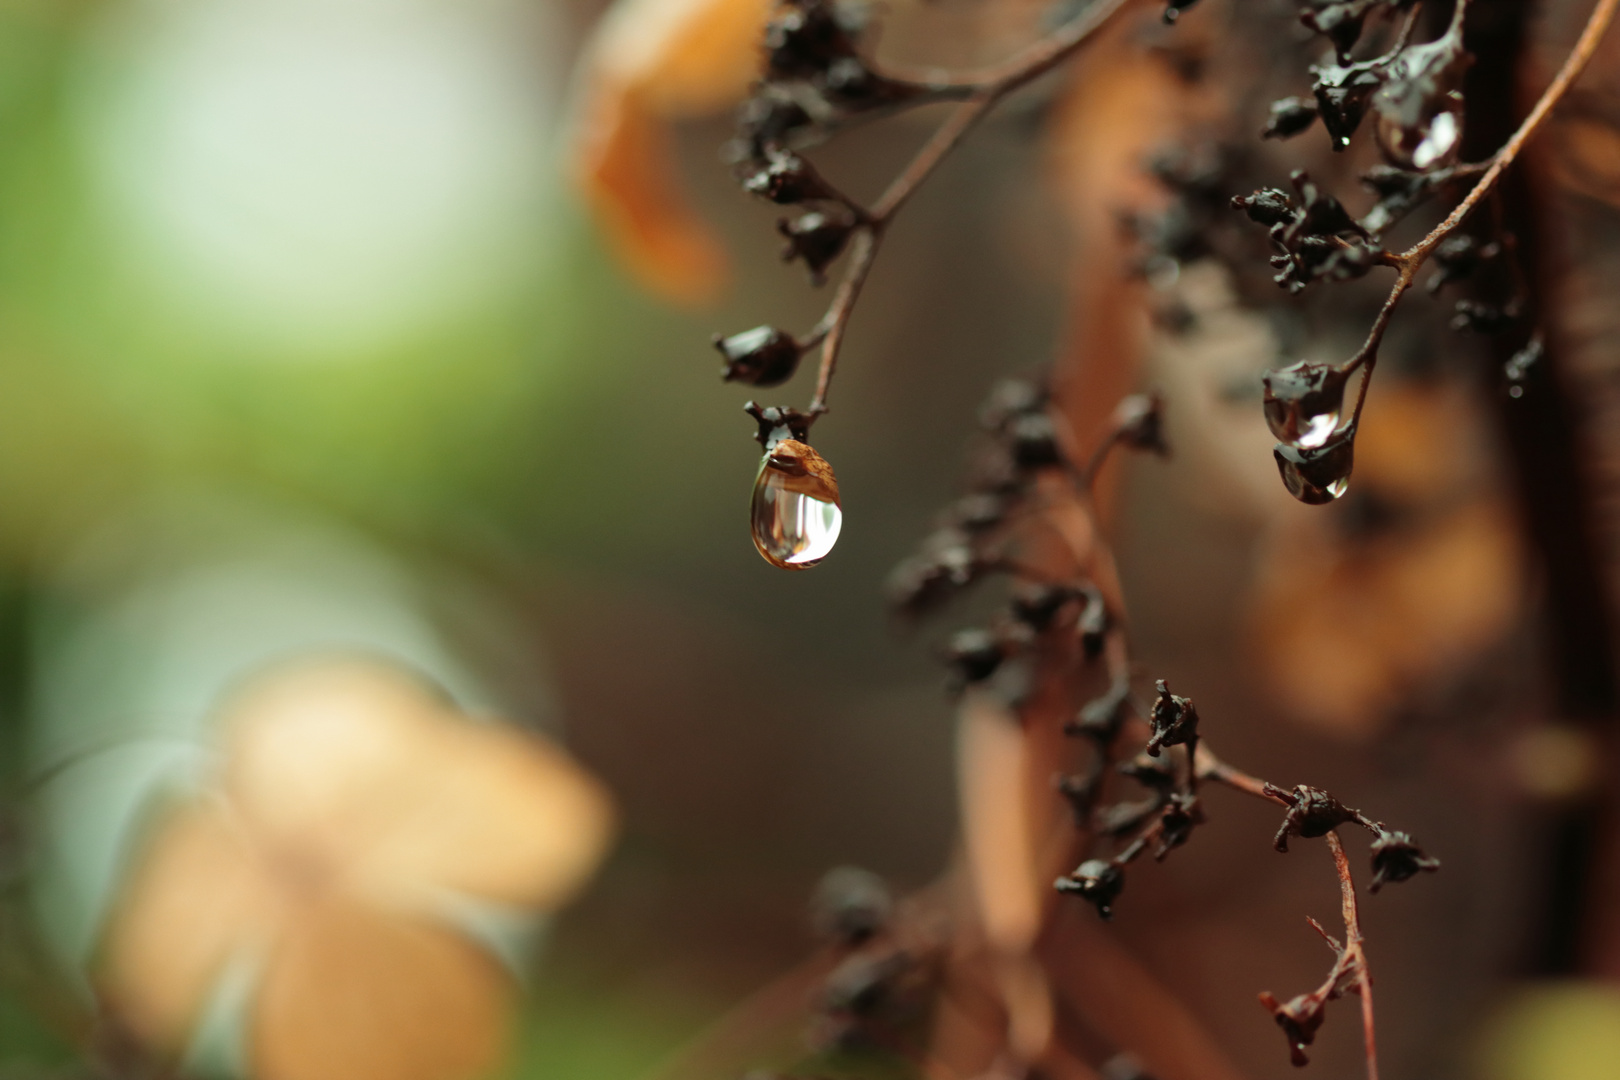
column 1355, row 956
column 987, row 88
column 1408, row 262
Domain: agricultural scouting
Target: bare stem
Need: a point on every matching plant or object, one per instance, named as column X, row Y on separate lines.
column 1355, row 956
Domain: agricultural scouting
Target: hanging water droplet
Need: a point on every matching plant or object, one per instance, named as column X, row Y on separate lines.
column 1420, row 108
column 1320, row 474
column 1303, row 402
column 795, row 515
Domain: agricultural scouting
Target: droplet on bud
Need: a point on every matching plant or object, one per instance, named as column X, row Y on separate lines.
column 796, row 515
column 1317, row 475
column 1303, row 402
column 1420, row 109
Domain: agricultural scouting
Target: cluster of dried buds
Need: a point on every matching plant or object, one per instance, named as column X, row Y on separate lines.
column 982, row 533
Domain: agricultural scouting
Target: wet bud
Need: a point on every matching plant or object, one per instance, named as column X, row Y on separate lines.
column 1339, row 22
column 1097, row 882
column 785, row 177
column 1420, row 106
column 1399, row 192
column 974, row 654
column 1323, row 215
column 768, row 119
column 1268, row 206
column 1139, row 419
column 1174, row 720
column 1299, row 1019
column 1033, row 439
column 1319, row 474
column 1303, row 402
column 1396, row 857
column 806, row 37
column 1313, row 813
column 763, row 356
column 1289, row 117
column 817, row 237
column 1080, row 792
column 1353, row 261
column 1341, row 98
column 1457, row 257
column 851, row 906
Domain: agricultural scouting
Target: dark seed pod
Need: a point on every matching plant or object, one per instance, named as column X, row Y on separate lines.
column 1036, row 604
column 1176, row 823
column 1101, row 717
column 785, row 177
column 1397, row 857
column 807, row 37
column 1174, row 721
column 1009, row 399
column 1097, row 882
column 1457, row 257
column 1299, row 1018
column 1340, row 22
column 1312, row 813
column 763, row 356
column 1139, row 420
column 1341, row 98
column 1289, row 117
column 851, row 905
column 768, row 119
column 1268, row 206
column 817, row 237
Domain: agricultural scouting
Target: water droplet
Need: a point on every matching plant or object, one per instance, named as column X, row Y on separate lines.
column 1303, row 402
column 1320, row 474
column 1420, row 108
column 796, row 515
column 1429, row 139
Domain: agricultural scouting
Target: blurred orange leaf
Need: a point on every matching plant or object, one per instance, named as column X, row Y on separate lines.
column 653, row 62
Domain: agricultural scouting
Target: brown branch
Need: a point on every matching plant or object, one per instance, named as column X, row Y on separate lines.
column 985, row 88
column 1408, row 262
column 1354, row 951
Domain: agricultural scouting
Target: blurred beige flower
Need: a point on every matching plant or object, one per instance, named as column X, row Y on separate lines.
column 354, row 809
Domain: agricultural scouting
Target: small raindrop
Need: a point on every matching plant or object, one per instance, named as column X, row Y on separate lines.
column 795, row 515
column 1317, row 475
column 1303, row 402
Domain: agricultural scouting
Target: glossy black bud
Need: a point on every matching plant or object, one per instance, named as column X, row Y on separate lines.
column 786, row 178
column 1033, row 438
column 1320, row 474
column 974, row 654
column 1397, row 857
column 763, row 356
column 1097, row 882
column 1174, row 720
column 816, row 238
column 1289, row 116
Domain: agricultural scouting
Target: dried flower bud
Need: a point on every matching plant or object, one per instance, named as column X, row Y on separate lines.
column 763, row 356
column 1396, row 857
column 1033, row 438
column 1139, row 419
column 1299, row 1018
column 1151, row 772
column 974, row 654
column 817, row 237
column 1268, row 206
column 1483, row 317
column 851, row 906
column 807, row 36
column 785, row 177
column 768, row 119
column 1174, row 720
column 1096, row 881
column 1517, row 369
column 1312, row 813
column 1176, row 823
column 1457, row 257
column 1340, row 22
column 1289, row 117
column 1341, row 97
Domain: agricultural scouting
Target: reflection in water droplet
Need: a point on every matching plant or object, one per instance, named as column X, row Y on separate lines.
column 1318, row 475
column 1429, row 140
column 795, row 514
column 1303, row 402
